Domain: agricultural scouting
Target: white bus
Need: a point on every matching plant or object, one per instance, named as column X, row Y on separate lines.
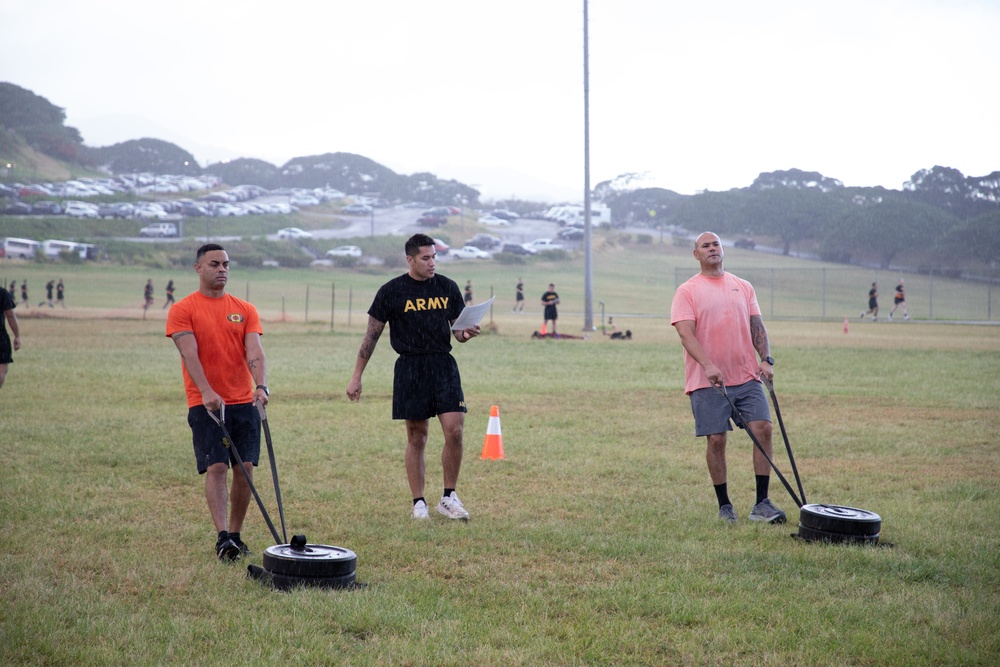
column 20, row 248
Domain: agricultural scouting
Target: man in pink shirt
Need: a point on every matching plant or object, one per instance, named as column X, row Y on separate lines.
column 718, row 320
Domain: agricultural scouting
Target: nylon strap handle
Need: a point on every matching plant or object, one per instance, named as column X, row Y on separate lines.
column 274, row 468
column 742, row 423
column 228, row 442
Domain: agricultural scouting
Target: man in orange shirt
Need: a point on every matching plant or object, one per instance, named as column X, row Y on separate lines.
column 718, row 320
column 218, row 337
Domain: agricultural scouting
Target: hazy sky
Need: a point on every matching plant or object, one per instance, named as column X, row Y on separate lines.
column 695, row 95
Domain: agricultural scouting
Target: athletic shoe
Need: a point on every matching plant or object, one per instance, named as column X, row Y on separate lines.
column 727, row 514
column 451, row 507
column 767, row 512
column 420, row 510
column 244, row 549
column 227, row 550
column 890, row 317
column 862, row 315
column 906, row 317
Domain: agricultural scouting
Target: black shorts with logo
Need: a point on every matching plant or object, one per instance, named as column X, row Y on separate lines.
column 242, row 422
column 426, row 386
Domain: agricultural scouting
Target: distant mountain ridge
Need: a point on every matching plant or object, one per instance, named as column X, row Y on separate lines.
column 938, row 215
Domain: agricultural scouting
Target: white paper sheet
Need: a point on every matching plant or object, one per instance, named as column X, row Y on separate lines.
column 471, row 316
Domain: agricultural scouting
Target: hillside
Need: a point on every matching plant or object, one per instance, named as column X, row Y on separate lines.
column 938, row 215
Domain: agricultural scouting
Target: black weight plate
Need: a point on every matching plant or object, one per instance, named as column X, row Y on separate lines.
column 813, row 535
column 284, row 582
column 840, row 519
column 316, row 560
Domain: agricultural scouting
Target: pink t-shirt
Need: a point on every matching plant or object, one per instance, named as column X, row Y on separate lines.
column 721, row 309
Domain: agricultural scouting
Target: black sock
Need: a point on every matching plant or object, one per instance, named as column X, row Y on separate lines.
column 722, row 493
column 223, row 535
column 420, row 499
column 235, row 537
column 763, row 481
column 448, row 492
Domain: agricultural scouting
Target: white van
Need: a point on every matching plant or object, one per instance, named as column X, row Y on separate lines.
column 54, row 249
column 20, row 248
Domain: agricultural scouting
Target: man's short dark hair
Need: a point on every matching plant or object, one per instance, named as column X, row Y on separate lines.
column 208, row 247
column 416, row 242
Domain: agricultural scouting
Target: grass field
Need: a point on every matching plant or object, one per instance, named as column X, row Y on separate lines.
column 594, row 542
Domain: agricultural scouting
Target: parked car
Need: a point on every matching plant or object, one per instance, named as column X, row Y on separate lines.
column 440, row 247
column 504, row 214
column 541, row 245
column 344, row 251
column 493, row 220
column 293, row 233
column 193, row 210
column 151, row 212
column 46, row 207
column 747, row 243
column 443, row 211
column 159, row 229
column 116, row 210
column 470, row 252
column 484, row 241
column 428, row 220
column 79, row 209
column 15, row 208
column 570, row 234
column 356, row 209
column 303, row 200
column 517, row 249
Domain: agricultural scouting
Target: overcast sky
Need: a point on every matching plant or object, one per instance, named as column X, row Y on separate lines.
column 694, row 95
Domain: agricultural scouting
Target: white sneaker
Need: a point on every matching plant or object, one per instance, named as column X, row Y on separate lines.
column 420, row 510
column 906, row 317
column 451, row 507
column 890, row 317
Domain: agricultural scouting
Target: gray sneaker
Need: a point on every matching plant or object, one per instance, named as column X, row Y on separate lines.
column 766, row 511
column 728, row 514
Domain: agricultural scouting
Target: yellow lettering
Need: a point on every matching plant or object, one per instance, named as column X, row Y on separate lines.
column 434, row 303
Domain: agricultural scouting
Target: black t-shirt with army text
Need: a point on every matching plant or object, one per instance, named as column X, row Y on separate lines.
column 419, row 313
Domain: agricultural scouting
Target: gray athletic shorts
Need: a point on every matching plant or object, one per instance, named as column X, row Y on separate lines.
column 712, row 412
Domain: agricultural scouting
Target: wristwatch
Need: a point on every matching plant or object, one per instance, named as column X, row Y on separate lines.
column 769, row 360
column 264, row 387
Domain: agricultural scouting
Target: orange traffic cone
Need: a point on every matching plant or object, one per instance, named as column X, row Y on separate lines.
column 543, row 328
column 493, row 444
column 846, row 328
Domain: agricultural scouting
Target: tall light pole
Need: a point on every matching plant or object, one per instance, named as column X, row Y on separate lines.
column 588, row 268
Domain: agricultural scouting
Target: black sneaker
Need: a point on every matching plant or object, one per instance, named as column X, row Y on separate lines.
column 227, row 550
column 244, row 549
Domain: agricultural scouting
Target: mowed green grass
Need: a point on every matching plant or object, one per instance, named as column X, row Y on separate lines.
column 594, row 542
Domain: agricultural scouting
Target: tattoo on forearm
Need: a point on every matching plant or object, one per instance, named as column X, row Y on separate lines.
column 253, row 364
column 759, row 335
column 369, row 342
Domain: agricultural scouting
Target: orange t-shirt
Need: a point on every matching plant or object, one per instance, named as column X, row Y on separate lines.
column 220, row 326
column 721, row 309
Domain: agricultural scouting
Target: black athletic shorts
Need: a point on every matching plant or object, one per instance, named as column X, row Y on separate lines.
column 6, row 348
column 426, row 386
column 242, row 422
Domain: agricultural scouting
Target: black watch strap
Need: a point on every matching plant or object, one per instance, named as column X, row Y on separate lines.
column 769, row 360
column 264, row 387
